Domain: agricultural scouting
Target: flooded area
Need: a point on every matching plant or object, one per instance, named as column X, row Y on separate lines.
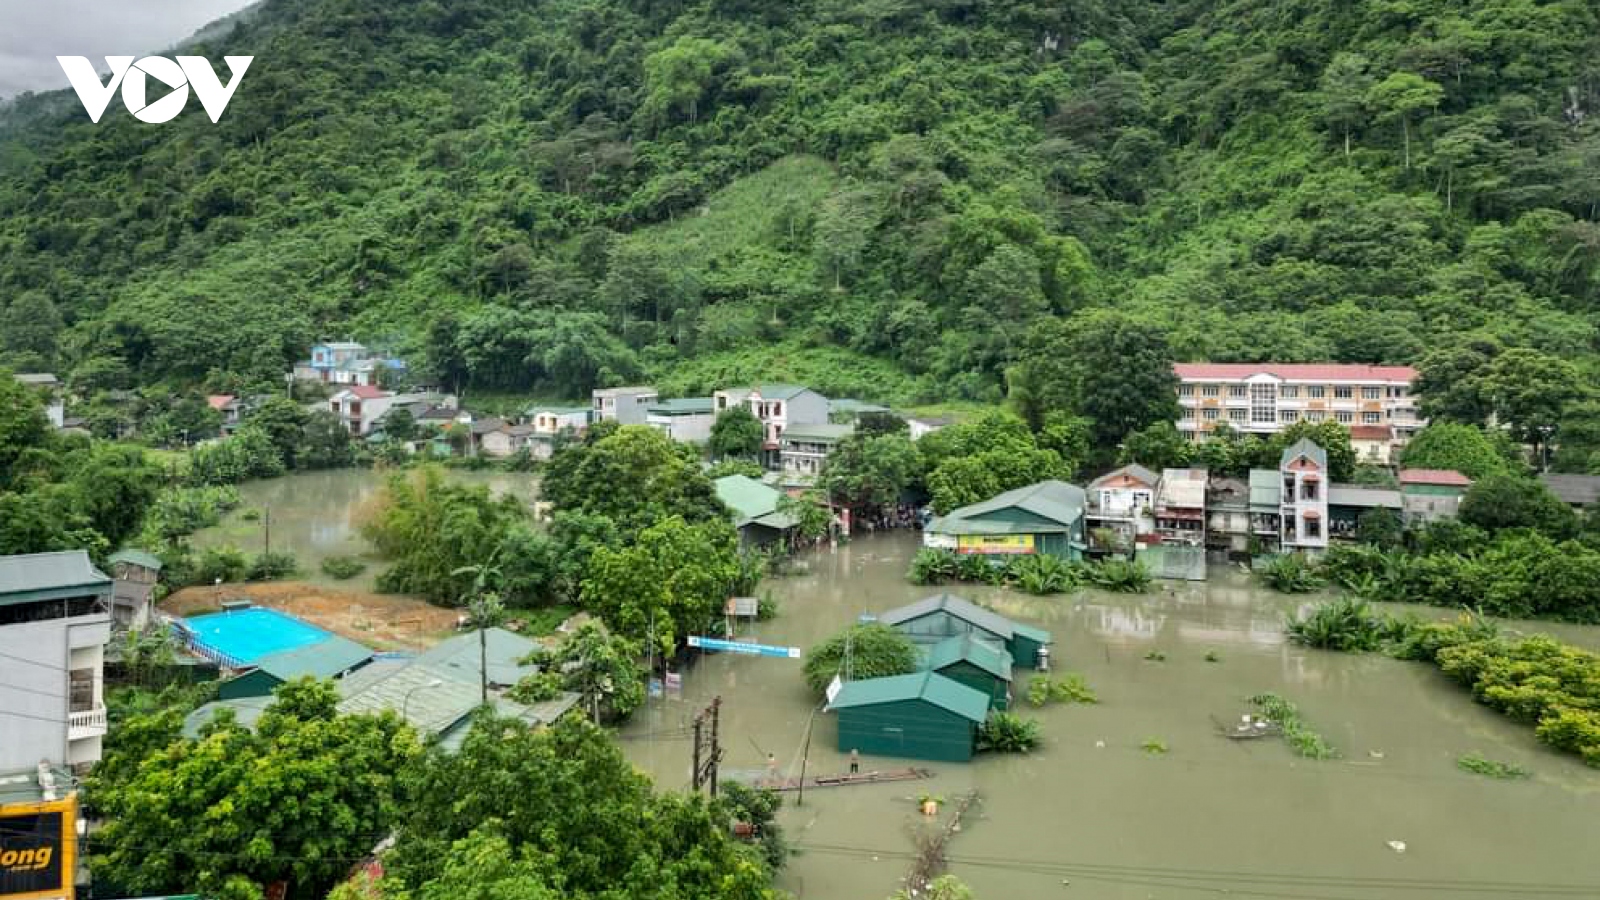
column 1091, row 814
column 315, row 515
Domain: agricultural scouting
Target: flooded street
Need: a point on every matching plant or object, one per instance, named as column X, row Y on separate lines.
column 1093, row 809
column 315, row 515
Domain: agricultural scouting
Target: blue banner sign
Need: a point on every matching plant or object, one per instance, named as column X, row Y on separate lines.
column 705, row 643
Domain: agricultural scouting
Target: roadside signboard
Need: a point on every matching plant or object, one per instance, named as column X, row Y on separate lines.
column 705, row 643
column 37, row 843
column 744, row 607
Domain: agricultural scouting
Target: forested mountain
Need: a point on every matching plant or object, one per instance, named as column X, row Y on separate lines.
column 880, row 196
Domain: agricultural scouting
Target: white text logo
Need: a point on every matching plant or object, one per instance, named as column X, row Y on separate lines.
column 188, row 71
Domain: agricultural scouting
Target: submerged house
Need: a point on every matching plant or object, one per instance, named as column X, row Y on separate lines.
column 755, row 510
column 1347, row 503
column 1432, row 494
column 1046, row 517
column 923, row 715
column 943, row 616
column 1123, row 500
column 977, row 663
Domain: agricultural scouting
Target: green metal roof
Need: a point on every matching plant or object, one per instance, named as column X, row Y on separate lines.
column 1058, row 501
column 852, row 405
column 1266, row 490
column 136, row 557
column 1037, row 635
column 986, row 655
column 246, row 710
column 779, row 391
column 47, row 576
column 821, row 433
column 1309, row 449
column 959, row 607
column 559, row 410
column 751, row 501
column 506, row 650
column 683, row 406
column 324, row 659
column 929, row 687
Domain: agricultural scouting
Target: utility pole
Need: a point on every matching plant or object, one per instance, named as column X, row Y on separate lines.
column 266, row 525
column 707, row 754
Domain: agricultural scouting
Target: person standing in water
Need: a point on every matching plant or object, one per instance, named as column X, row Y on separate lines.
column 855, row 761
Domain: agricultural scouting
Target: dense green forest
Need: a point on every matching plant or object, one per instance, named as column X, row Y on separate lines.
column 880, row 197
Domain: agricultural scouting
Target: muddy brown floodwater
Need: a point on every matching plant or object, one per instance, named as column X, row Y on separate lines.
column 315, row 515
column 1091, row 815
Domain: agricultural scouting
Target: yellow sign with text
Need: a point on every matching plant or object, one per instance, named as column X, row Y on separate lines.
column 994, row 543
column 36, row 849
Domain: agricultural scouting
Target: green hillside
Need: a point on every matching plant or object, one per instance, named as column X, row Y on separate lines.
column 545, row 196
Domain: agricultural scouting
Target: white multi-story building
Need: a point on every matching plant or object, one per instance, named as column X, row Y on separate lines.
column 359, row 406
column 55, row 619
column 1303, row 503
column 778, row 407
column 627, row 405
column 1265, row 398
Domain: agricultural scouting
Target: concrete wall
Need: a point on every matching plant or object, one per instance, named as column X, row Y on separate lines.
column 36, row 692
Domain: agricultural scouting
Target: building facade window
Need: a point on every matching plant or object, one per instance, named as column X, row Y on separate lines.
column 1313, row 528
column 1315, row 392
column 1371, row 418
column 80, row 690
column 1188, row 414
column 1185, row 390
column 1289, row 392
column 1236, row 415
column 1369, row 393
column 1344, row 417
column 1316, row 415
column 1308, row 490
column 1212, row 414
column 1343, row 393
column 1288, row 415
column 1263, row 403
column 1210, row 390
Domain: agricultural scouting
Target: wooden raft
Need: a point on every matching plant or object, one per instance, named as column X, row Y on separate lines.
column 876, row 776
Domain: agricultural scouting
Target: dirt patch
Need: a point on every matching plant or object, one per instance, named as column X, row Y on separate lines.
column 379, row 621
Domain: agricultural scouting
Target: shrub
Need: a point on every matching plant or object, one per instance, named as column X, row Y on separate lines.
column 931, row 566
column 875, row 650
column 272, row 566
column 1006, row 732
column 343, row 567
column 1069, row 688
column 1154, row 746
column 1473, row 762
column 1122, row 575
column 1290, row 573
column 1301, row 739
column 1344, row 624
column 1040, row 573
column 220, row 564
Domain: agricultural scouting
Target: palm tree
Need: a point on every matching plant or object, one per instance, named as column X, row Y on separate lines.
column 487, row 611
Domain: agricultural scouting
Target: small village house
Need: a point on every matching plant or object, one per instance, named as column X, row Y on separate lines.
column 55, row 405
column 1266, row 510
column 1046, row 517
column 1180, row 511
column 1265, row 398
column 933, row 619
column 755, row 510
column 979, row 664
column 1428, row 495
column 805, row 448
column 550, row 422
column 345, row 363
column 1347, row 503
column 134, row 575
column 332, row 657
column 1228, row 516
column 55, row 620
column 923, row 715
column 1123, row 500
column 358, row 407
column 507, row 440
column 1304, row 498
column 687, row 420
column 778, row 407
column 1374, row 445
column 624, row 405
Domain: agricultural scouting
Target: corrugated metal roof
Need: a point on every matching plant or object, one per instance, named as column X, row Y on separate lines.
column 930, row 687
column 1134, row 471
column 324, row 659
column 506, row 650
column 747, row 497
column 623, row 391
column 1577, row 490
column 1266, row 488
column 683, row 406
column 1362, row 496
column 1055, row 500
column 37, row 379
column 780, row 391
column 1296, row 371
column 986, row 655
column 821, row 433
column 1448, row 477
column 246, row 710
column 34, row 573
column 960, row 607
column 137, row 557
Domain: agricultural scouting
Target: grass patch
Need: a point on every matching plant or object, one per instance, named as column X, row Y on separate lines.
column 1155, row 656
column 542, row 620
column 831, row 371
column 1069, row 688
column 1473, row 762
column 1154, row 747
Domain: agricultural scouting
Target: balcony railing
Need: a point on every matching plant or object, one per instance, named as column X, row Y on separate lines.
column 87, row 723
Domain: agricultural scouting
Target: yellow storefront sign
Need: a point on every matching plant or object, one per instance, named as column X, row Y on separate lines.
column 994, row 543
column 36, row 849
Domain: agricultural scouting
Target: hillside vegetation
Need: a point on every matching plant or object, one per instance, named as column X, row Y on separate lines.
column 881, row 196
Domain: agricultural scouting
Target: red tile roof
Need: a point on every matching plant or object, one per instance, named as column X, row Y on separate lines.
column 368, row 391
column 1434, row 476
column 219, row 401
column 1370, row 432
column 1296, row 371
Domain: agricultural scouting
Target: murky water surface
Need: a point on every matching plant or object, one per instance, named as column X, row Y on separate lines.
column 1091, row 815
column 315, row 515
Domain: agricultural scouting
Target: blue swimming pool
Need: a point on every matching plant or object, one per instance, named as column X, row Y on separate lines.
column 246, row 635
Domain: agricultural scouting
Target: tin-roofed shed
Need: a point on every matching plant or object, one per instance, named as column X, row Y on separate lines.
column 980, row 664
column 933, row 619
column 330, row 658
column 923, row 715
